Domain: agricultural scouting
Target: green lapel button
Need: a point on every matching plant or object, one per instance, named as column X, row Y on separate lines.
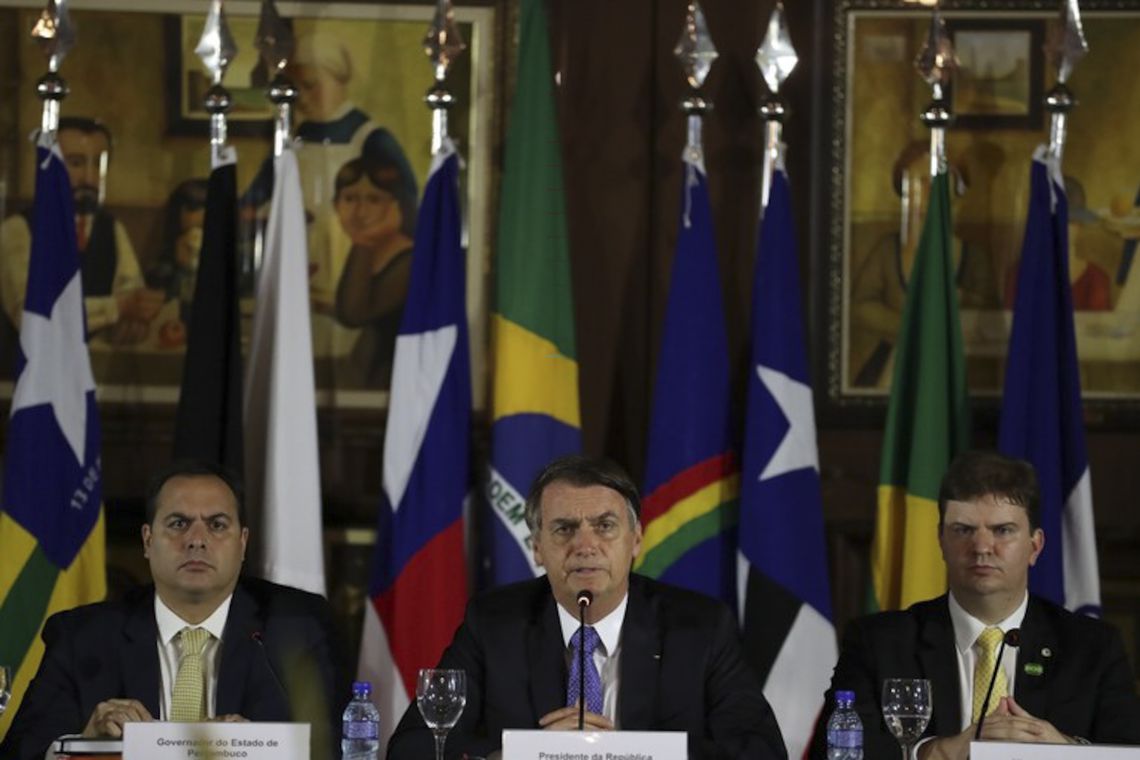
column 1033, row 669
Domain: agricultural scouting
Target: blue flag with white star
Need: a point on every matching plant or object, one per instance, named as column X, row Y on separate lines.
column 786, row 600
column 1041, row 418
column 51, row 526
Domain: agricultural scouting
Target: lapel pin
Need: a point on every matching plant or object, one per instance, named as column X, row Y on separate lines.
column 1046, row 652
column 1033, row 669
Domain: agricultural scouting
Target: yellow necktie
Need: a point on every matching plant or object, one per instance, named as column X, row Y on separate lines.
column 988, row 642
column 188, row 702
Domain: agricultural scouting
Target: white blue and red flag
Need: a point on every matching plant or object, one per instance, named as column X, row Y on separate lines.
column 418, row 586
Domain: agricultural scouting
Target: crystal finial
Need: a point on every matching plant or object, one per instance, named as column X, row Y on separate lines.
column 695, row 49
column 443, row 42
column 274, row 38
column 937, row 62
column 54, row 32
column 776, row 57
column 216, row 47
column 1067, row 45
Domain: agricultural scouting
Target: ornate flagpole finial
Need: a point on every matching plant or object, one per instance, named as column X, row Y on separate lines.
column 936, row 63
column 55, row 35
column 697, row 53
column 275, row 42
column 776, row 57
column 217, row 49
column 443, row 43
column 1066, row 46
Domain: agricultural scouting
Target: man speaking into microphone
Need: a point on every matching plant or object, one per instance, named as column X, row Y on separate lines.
column 648, row 657
column 1003, row 664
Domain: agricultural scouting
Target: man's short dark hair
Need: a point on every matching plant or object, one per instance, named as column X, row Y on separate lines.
column 974, row 474
column 87, row 126
column 191, row 468
column 581, row 471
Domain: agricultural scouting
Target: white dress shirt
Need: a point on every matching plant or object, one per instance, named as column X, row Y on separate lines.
column 606, row 656
column 967, row 628
column 170, row 651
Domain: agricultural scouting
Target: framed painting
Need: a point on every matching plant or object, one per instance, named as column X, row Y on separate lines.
column 880, row 157
column 361, row 74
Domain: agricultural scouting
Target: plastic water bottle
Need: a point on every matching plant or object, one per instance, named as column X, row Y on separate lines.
column 844, row 729
column 360, row 737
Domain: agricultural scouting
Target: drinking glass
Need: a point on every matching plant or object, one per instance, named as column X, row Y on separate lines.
column 5, row 687
column 906, row 709
column 441, row 696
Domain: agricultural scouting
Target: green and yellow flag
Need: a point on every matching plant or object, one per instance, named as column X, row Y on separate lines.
column 928, row 421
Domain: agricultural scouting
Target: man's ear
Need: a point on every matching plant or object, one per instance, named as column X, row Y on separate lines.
column 146, row 536
column 1037, row 540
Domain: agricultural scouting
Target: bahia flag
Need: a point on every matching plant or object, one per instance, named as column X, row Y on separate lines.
column 534, row 407
column 418, row 585
column 282, row 469
column 1041, row 406
column 692, row 478
column 208, row 425
column 51, row 524
column 785, row 609
column 928, row 421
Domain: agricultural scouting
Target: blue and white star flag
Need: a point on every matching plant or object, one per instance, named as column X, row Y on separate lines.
column 51, row 519
column 785, row 600
column 1041, row 405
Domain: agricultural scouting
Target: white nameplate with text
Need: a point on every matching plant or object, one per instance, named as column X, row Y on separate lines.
column 1019, row 751
column 595, row 745
column 215, row 741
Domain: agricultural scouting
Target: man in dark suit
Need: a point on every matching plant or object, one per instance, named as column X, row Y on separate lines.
column 666, row 659
column 1068, row 682
column 262, row 652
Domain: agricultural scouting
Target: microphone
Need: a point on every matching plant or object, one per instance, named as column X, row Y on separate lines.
column 1012, row 638
column 258, row 639
column 585, row 599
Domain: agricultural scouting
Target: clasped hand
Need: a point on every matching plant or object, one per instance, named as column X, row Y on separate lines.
column 566, row 719
column 1009, row 722
column 108, row 718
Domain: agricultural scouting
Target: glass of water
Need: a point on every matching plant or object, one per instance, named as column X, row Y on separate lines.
column 906, row 709
column 5, row 687
column 441, row 696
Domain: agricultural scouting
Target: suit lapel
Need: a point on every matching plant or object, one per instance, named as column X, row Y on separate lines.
column 546, row 654
column 239, row 653
column 1036, row 661
column 939, row 660
column 142, row 678
column 640, row 664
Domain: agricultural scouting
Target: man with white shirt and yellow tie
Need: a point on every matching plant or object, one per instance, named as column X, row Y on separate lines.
column 1068, row 681
column 200, row 644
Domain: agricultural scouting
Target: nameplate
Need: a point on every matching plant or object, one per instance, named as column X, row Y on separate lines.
column 215, row 741
column 1019, row 751
column 595, row 745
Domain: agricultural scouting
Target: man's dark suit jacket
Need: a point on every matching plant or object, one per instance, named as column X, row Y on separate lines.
column 680, row 670
column 275, row 637
column 1084, row 688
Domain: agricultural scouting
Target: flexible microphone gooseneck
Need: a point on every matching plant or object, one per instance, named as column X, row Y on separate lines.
column 258, row 639
column 1011, row 638
column 585, row 599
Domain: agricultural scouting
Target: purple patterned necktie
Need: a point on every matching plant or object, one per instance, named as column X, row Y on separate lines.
column 593, row 680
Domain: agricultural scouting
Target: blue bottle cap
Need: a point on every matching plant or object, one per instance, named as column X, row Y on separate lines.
column 844, row 696
column 362, row 687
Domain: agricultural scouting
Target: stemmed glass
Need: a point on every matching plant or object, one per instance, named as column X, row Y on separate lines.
column 5, row 687
column 906, row 709
column 441, row 696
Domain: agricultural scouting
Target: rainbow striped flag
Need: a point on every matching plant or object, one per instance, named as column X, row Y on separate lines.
column 534, row 406
column 51, row 525
column 692, row 481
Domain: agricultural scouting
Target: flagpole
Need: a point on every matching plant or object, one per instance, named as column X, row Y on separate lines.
column 442, row 44
column 936, row 64
column 274, row 40
column 216, row 48
column 776, row 57
column 1066, row 48
column 55, row 35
